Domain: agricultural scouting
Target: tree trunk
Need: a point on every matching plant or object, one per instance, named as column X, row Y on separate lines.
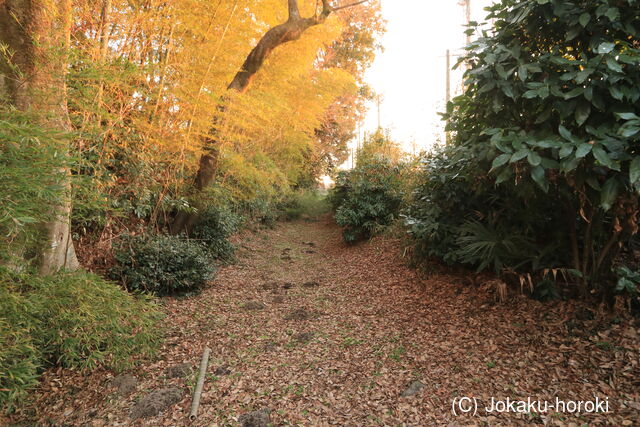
column 37, row 32
column 288, row 31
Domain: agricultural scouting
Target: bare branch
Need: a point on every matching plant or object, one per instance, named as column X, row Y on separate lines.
column 294, row 11
column 349, row 5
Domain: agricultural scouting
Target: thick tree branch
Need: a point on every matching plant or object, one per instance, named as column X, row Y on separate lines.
column 278, row 35
column 294, row 11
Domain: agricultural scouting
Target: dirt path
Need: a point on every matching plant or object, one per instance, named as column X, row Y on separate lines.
column 324, row 334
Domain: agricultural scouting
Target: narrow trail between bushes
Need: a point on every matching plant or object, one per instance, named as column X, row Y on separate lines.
column 320, row 333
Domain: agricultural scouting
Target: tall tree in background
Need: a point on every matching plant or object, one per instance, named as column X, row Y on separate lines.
column 36, row 33
column 291, row 30
column 353, row 52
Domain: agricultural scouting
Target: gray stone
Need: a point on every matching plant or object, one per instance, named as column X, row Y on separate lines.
column 179, row 371
column 124, row 384
column 254, row 305
column 261, row 418
column 299, row 314
column 156, row 402
column 413, row 389
column 303, row 337
column 222, row 370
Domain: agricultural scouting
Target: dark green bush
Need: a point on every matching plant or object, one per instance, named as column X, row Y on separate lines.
column 163, row 265
column 74, row 320
column 213, row 229
column 550, row 111
column 448, row 191
column 458, row 215
column 367, row 198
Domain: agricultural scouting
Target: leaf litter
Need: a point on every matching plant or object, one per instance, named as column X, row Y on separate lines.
column 345, row 352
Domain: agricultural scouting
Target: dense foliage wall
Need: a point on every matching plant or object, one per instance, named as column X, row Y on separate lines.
column 543, row 170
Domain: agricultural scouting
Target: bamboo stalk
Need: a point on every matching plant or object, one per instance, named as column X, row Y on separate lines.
column 197, row 393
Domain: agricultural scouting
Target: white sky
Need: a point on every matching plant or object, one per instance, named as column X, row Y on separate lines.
column 410, row 74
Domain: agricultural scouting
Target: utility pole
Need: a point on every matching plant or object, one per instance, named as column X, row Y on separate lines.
column 448, row 91
column 468, row 13
column 379, row 116
column 448, row 83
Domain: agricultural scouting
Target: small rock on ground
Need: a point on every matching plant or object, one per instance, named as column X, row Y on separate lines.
column 222, row 370
column 261, row 418
column 155, row 402
column 303, row 337
column 254, row 305
column 125, row 384
column 269, row 347
column 270, row 286
column 179, row 371
column 312, row 284
column 413, row 389
column 299, row 314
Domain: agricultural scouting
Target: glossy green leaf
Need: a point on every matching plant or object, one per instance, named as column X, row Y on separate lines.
column 613, row 65
column 565, row 133
column 582, row 113
column 602, row 156
column 628, row 116
column 629, row 131
column 609, row 193
column 538, row 175
column 501, row 160
column 613, row 14
column 605, row 47
column 583, row 150
column 534, row 158
column 583, row 75
column 519, row 155
column 565, row 151
column 634, row 171
column 584, row 19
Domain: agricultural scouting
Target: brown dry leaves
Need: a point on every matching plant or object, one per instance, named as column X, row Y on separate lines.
column 373, row 327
